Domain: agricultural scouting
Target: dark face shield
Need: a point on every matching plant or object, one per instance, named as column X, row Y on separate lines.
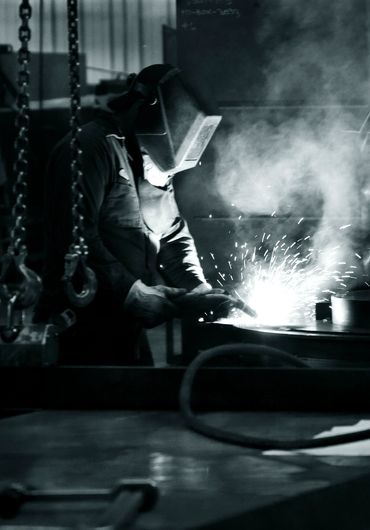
column 174, row 129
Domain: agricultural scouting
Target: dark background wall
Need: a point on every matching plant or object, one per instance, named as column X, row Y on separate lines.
column 276, row 51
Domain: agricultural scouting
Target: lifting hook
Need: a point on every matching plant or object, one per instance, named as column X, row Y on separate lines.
column 10, row 331
column 17, row 278
column 19, row 289
column 75, row 267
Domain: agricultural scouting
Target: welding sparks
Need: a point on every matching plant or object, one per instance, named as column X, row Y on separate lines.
column 284, row 282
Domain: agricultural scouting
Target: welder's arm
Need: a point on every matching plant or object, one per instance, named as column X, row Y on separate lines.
column 150, row 305
column 178, row 258
column 180, row 266
column 112, row 275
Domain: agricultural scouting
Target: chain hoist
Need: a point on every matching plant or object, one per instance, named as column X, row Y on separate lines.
column 19, row 285
column 75, row 259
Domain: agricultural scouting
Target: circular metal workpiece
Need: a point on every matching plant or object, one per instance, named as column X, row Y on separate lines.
column 352, row 310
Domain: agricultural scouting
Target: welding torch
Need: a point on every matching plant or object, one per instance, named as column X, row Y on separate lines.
column 211, row 304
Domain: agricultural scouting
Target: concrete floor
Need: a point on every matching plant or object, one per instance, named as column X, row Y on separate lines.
column 203, row 484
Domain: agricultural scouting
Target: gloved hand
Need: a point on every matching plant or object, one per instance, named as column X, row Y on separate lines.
column 152, row 305
column 210, row 304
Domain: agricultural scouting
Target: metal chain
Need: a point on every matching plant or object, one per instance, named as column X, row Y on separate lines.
column 18, row 232
column 19, row 285
column 76, row 257
column 78, row 242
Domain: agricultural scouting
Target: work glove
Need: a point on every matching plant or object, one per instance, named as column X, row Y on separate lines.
column 152, row 305
column 210, row 304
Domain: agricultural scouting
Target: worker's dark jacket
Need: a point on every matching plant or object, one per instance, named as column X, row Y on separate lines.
column 133, row 230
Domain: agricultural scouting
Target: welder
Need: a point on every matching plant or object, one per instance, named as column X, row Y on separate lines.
column 140, row 247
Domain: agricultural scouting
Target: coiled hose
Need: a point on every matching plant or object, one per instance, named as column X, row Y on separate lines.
column 251, row 352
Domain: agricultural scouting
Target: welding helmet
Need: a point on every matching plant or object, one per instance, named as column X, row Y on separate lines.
column 173, row 126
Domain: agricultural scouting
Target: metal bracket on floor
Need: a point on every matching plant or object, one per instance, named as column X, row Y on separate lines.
column 126, row 500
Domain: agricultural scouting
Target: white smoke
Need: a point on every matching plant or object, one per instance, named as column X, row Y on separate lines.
column 304, row 160
column 315, row 51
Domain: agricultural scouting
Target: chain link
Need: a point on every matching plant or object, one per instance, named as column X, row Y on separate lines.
column 76, row 258
column 78, row 242
column 18, row 232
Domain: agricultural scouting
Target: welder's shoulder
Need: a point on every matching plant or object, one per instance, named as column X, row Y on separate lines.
column 93, row 137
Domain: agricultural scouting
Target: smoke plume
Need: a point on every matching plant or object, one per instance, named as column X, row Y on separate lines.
column 302, row 155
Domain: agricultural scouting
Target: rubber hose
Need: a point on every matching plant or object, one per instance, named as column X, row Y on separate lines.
column 253, row 442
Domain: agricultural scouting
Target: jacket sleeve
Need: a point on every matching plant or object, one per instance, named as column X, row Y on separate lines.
column 178, row 259
column 112, row 275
